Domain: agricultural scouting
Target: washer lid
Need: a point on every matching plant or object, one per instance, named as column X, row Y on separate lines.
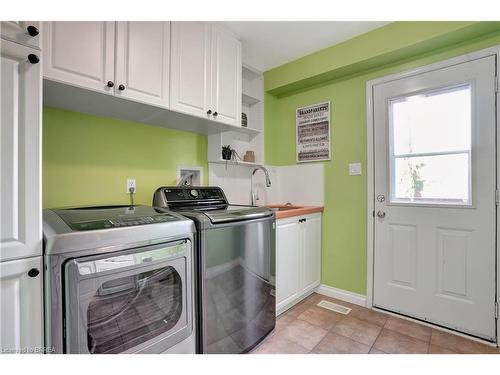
column 103, row 217
column 237, row 213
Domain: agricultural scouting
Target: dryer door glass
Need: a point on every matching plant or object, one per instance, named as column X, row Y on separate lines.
column 131, row 310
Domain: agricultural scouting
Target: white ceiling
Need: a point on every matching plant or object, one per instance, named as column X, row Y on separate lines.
column 267, row 45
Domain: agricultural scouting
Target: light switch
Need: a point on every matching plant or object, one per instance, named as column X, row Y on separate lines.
column 354, row 169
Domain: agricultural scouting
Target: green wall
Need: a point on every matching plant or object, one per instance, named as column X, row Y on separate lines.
column 87, row 159
column 344, row 220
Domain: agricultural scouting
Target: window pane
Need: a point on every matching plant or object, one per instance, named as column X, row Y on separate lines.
column 128, row 311
column 439, row 121
column 441, row 179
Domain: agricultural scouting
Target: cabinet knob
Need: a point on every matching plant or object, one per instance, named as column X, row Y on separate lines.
column 215, row 114
column 32, row 30
column 34, row 272
column 110, row 84
column 32, row 58
column 209, row 112
column 121, row 87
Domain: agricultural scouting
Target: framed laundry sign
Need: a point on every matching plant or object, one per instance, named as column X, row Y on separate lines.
column 313, row 133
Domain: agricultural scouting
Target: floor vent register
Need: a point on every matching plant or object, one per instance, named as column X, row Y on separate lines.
column 334, row 307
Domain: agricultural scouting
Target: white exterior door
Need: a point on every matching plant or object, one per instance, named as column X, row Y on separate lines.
column 143, row 62
column 435, row 181
column 21, row 305
column 80, row 53
column 190, row 68
column 20, row 191
column 226, row 77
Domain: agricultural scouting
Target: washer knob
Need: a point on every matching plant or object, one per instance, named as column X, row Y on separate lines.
column 194, row 193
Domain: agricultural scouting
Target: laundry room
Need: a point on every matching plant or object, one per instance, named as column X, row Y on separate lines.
column 246, row 185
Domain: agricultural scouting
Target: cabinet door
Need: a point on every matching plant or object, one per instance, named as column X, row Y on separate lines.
column 287, row 263
column 80, row 53
column 310, row 252
column 19, row 32
column 226, row 77
column 190, row 60
column 21, row 305
column 20, row 111
column 143, row 61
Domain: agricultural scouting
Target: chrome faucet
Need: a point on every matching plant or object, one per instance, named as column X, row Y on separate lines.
column 268, row 181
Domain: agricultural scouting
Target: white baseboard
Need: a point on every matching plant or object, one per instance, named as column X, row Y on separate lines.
column 343, row 295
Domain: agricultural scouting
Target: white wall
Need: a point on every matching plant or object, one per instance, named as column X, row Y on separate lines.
column 301, row 184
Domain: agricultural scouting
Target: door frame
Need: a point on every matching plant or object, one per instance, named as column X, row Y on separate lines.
column 370, row 168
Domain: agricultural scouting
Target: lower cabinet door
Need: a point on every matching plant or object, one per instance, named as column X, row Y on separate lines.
column 310, row 260
column 287, row 263
column 21, row 291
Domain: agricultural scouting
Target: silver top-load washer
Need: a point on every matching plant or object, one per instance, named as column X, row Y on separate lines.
column 235, row 258
column 118, row 279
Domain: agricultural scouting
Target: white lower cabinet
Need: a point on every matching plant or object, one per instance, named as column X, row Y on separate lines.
column 298, row 259
column 21, row 306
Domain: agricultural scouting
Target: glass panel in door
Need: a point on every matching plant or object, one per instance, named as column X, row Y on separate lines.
column 430, row 147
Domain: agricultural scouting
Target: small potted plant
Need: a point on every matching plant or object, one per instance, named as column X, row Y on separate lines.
column 227, row 152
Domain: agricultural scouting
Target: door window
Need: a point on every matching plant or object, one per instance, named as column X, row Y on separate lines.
column 430, row 147
column 128, row 311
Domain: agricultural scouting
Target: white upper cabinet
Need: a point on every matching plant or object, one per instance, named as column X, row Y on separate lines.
column 226, row 77
column 20, row 109
column 26, row 33
column 189, row 66
column 143, row 61
column 80, row 53
column 206, row 72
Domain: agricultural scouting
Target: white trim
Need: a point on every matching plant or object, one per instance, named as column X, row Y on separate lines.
column 492, row 51
column 370, row 169
column 343, row 295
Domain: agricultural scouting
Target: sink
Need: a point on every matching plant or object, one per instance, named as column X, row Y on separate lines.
column 284, row 208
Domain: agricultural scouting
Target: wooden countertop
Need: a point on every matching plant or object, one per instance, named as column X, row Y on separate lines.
column 292, row 211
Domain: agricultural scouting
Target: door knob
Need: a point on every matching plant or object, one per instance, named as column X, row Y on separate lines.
column 381, row 198
column 110, row 84
column 381, row 214
column 121, row 87
column 215, row 114
column 32, row 30
column 209, row 112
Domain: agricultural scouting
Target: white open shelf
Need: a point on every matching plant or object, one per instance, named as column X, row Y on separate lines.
column 232, row 162
column 249, row 100
column 251, row 140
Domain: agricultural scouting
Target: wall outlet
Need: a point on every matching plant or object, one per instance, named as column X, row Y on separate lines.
column 131, row 185
column 354, row 169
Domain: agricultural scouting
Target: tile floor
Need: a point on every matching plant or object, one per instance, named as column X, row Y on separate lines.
column 307, row 328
